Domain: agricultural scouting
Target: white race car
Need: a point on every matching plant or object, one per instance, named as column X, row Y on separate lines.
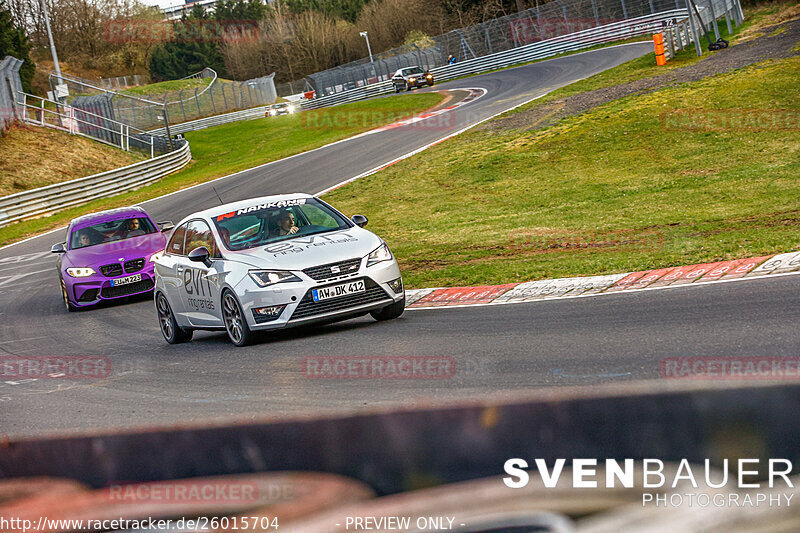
column 269, row 263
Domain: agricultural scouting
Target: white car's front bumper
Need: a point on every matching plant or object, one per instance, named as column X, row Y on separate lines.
column 300, row 308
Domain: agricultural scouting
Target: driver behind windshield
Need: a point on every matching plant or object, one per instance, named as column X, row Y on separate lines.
column 129, row 228
column 285, row 223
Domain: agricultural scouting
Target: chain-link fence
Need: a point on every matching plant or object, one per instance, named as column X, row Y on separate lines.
column 150, row 111
column 10, row 84
column 123, row 82
column 554, row 19
column 292, row 87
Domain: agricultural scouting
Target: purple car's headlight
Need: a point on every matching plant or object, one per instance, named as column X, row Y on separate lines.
column 80, row 272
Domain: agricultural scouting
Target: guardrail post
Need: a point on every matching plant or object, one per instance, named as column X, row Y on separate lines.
column 727, row 17
column 713, row 18
column 695, row 36
column 180, row 101
column 624, row 9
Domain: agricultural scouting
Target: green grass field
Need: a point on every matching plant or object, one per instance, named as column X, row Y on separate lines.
column 633, row 184
column 229, row 148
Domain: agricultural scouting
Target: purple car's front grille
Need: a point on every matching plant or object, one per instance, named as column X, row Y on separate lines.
column 134, row 265
column 110, row 271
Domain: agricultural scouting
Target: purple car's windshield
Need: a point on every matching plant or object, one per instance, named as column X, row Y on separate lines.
column 114, row 230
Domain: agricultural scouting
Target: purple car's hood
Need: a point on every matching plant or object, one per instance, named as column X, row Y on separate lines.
column 118, row 251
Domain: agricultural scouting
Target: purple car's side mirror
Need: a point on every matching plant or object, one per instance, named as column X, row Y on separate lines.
column 58, row 248
column 166, row 226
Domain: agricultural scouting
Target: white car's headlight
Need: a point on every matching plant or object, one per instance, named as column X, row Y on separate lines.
column 379, row 254
column 412, row 80
column 265, row 278
column 80, row 272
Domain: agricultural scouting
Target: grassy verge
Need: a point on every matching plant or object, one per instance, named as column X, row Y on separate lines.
column 35, row 157
column 633, row 184
column 229, row 148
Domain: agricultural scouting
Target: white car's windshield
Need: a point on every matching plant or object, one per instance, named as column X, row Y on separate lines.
column 277, row 221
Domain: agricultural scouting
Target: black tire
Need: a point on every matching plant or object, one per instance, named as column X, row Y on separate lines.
column 430, row 84
column 408, row 86
column 390, row 312
column 235, row 322
column 396, row 89
column 173, row 333
column 70, row 307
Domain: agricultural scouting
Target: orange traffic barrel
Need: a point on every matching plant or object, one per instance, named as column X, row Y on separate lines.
column 661, row 59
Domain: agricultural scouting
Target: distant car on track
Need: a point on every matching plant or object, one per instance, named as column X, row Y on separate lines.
column 108, row 255
column 270, row 263
column 282, row 108
column 409, row 77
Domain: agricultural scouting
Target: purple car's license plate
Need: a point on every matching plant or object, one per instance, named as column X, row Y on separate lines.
column 124, row 281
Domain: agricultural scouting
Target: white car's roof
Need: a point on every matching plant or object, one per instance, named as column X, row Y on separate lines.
column 244, row 204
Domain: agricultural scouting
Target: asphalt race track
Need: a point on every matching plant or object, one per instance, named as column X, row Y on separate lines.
column 495, row 349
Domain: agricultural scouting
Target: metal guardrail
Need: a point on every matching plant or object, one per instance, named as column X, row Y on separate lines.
column 680, row 35
column 52, row 198
column 216, row 120
column 51, row 114
column 566, row 43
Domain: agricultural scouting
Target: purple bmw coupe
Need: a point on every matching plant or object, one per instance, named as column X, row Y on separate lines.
column 108, row 255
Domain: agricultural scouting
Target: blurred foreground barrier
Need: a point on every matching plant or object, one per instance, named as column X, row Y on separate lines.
column 397, row 450
column 21, row 488
column 487, row 505
column 287, row 495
